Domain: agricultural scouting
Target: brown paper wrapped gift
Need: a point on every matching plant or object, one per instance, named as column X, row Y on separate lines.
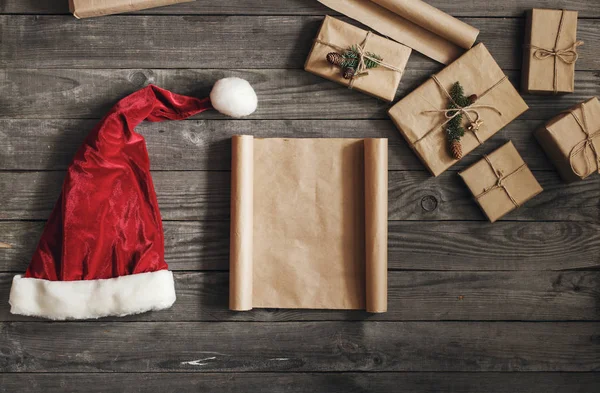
column 90, row 8
column 337, row 36
column 422, row 115
column 308, row 223
column 550, row 51
column 572, row 140
column 501, row 182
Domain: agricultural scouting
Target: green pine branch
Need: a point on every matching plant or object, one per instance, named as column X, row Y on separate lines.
column 454, row 128
column 352, row 57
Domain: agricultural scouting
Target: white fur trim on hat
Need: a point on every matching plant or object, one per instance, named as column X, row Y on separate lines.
column 233, row 97
column 85, row 299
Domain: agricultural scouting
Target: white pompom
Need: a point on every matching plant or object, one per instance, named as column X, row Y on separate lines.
column 233, row 97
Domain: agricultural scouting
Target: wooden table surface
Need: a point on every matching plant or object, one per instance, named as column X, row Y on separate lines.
column 475, row 307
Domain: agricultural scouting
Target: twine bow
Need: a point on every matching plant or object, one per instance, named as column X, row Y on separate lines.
column 469, row 111
column 567, row 55
column 500, row 181
column 361, row 69
column 582, row 146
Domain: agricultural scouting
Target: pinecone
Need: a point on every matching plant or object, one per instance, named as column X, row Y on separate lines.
column 473, row 98
column 335, row 58
column 348, row 73
column 456, row 149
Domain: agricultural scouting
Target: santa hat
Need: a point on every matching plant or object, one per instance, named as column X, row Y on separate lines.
column 102, row 249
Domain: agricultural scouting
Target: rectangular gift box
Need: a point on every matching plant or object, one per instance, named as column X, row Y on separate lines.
column 90, row 8
column 337, row 36
column 572, row 140
column 550, row 51
column 501, row 182
column 421, row 115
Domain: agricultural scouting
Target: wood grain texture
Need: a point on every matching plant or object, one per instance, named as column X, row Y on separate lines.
column 426, row 382
column 305, row 346
column 216, row 41
column 412, row 245
column 413, row 195
column 307, row 7
column 416, row 296
column 283, row 94
column 46, row 144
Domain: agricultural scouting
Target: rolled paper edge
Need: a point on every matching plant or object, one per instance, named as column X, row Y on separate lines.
column 376, row 225
column 241, row 229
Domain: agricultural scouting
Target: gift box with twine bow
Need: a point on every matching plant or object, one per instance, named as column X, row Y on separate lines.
column 572, row 140
column 387, row 57
column 550, row 52
column 423, row 115
column 501, row 182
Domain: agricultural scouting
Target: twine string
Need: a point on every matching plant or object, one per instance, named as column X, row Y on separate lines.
column 500, row 181
column 469, row 110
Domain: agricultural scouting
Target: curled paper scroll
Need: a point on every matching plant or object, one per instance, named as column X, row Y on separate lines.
column 308, row 224
column 413, row 23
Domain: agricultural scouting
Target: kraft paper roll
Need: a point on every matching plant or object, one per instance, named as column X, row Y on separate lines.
column 242, row 217
column 408, row 22
column 309, row 223
column 376, row 223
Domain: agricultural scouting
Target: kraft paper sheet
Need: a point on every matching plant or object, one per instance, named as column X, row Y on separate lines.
column 381, row 82
column 516, row 182
column 541, row 31
column 562, row 134
column 413, row 23
column 308, row 224
column 90, row 8
column 479, row 74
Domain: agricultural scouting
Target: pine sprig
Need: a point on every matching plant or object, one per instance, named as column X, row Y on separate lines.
column 352, row 57
column 454, row 128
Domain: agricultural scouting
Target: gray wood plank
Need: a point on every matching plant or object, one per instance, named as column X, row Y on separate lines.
column 413, row 245
column 215, row 41
column 413, row 195
column 299, row 346
column 283, row 94
column 427, row 382
column 416, row 296
column 48, row 144
column 586, row 8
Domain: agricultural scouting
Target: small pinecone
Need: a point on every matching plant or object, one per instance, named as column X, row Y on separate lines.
column 473, row 98
column 348, row 73
column 456, row 149
column 335, row 58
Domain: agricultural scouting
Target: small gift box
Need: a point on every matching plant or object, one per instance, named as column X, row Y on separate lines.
column 572, row 140
column 364, row 61
column 425, row 116
column 550, row 51
column 501, row 182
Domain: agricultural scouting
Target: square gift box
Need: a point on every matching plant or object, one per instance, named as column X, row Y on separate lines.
column 572, row 140
column 501, row 182
column 550, row 51
column 421, row 116
column 337, row 36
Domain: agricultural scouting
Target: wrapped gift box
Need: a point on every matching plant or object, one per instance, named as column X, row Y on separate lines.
column 501, row 182
column 422, row 115
column 337, row 36
column 550, row 51
column 572, row 140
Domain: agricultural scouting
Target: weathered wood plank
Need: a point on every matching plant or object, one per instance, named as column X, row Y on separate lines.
column 413, row 195
column 299, row 346
column 420, row 245
column 416, row 296
column 308, row 7
column 427, row 382
column 283, row 94
column 215, row 41
column 38, row 144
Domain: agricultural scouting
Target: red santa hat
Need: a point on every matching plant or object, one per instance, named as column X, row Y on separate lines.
column 102, row 249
